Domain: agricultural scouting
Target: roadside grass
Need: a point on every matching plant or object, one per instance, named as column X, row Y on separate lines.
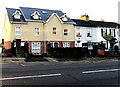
column 98, row 59
column 89, row 60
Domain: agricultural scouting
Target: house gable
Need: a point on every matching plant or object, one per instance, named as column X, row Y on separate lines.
column 56, row 16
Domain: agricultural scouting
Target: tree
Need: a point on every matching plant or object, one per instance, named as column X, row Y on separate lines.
column 108, row 38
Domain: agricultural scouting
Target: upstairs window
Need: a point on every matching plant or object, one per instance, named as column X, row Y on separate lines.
column 36, row 15
column 64, row 17
column 112, row 32
column 78, row 32
column 16, row 15
column 89, row 31
column 37, row 31
column 54, row 30
column 18, row 31
column 104, row 32
column 66, row 44
column 65, row 32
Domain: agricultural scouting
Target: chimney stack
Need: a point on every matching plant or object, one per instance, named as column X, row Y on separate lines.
column 84, row 17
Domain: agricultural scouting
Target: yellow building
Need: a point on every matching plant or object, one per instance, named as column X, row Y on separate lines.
column 38, row 28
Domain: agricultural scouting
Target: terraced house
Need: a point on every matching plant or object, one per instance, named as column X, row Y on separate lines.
column 91, row 33
column 38, row 28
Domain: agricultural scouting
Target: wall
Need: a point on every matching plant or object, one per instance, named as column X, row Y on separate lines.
column 59, row 36
column 28, row 33
column 7, row 34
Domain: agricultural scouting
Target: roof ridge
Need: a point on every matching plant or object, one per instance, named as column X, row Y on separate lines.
column 12, row 8
column 39, row 8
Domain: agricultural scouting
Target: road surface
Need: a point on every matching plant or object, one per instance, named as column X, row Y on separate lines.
column 61, row 73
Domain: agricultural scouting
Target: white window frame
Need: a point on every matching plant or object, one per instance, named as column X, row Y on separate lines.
column 35, row 16
column 18, row 31
column 66, row 44
column 65, row 18
column 17, row 16
column 36, row 49
column 37, row 32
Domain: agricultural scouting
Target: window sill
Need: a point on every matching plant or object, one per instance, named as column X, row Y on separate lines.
column 18, row 34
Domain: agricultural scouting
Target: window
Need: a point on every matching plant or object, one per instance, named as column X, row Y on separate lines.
column 66, row 44
column 17, row 16
column 18, row 31
column 35, row 47
column 104, row 32
column 65, row 19
column 22, row 44
column 78, row 32
column 37, row 32
column 89, row 33
column 54, row 30
column 54, row 44
column 112, row 32
column 65, row 32
column 36, row 15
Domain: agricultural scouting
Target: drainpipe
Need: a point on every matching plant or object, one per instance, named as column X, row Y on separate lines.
column 44, row 36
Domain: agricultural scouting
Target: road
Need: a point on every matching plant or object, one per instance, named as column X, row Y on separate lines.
column 61, row 73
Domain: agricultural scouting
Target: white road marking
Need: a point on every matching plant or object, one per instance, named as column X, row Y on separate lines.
column 100, row 71
column 23, row 77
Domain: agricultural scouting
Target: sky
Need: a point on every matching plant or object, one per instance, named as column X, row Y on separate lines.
column 96, row 9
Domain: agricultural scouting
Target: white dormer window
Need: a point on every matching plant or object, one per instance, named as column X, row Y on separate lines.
column 64, row 17
column 17, row 14
column 36, row 15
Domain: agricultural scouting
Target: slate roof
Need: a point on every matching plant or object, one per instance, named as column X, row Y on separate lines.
column 10, row 12
column 83, row 23
column 91, row 23
column 26, row 14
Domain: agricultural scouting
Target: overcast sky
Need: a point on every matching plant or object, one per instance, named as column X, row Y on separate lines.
column 96, row 9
